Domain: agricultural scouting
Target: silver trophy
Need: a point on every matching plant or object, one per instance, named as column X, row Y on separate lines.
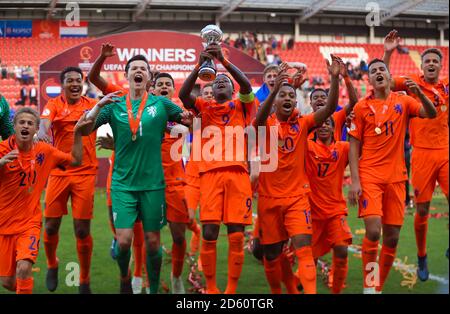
column 211, row 34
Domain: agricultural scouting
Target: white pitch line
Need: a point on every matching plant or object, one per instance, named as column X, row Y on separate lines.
column 410, row 270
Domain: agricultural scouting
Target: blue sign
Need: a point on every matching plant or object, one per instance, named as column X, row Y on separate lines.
column 18, row 28
column 2, row 28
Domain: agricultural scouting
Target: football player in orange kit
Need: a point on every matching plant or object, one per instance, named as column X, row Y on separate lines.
column 24, row 169
column 224, row 184
column 326, row 160
column 174, row 174
column 192, row 187
column 378, row 169
column 318, row 98
column 283, row 207
column 429, row 139
column 60, row 115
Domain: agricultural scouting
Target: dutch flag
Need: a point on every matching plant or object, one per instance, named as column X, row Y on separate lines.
column 73, row 31
column 53, row 91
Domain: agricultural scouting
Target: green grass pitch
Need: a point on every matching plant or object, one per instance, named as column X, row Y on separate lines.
column 105, row 274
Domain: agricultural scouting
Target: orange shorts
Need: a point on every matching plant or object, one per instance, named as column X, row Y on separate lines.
column 81, row 190
column 256, row 229
column 176, row 206
column 108, row 194
column 16, row 247
column 192, row 190
column 281, row 218
column 386, row 200
column 427, row 167
column 327, row 233
column 226, row 196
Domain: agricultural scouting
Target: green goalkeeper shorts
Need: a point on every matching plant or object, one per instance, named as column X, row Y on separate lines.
column 148, row 206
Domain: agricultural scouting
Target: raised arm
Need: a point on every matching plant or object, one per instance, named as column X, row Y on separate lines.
column 94, row 74
column 244, row 84
column 91, row 118
column 352, row 95
column 333, row 95
column 391, row 42
column 353, row 157
column 186, row 89
column 427, row 110
column 43, row 133
column 77, row 147
column 266, row 106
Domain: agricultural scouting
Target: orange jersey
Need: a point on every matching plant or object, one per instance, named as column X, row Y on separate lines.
column 289, row 179
column 339, row 121
column 110, row 171
column 173, row 170
column 429, row 133
column 382, row 155
column 192, row 168
column 226, row 118
column 64, row 117
column 20, row 189
column 325, row 166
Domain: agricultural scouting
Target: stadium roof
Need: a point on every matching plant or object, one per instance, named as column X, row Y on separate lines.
column 431, row 11
column 424, row 7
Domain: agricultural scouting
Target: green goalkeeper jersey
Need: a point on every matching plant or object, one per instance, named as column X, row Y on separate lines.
column 138, row 164
column 6, row 128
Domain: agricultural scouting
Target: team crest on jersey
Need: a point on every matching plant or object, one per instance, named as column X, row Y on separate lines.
column 151, row 111
column 335, row 155
column 231, row 105
column 352, row 126
column 46, row 112
column 295, row 127
column 446, row 89
column 365, row 203
column 398, row 108
column 40, row 158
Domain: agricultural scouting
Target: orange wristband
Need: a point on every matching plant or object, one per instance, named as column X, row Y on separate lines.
column 225, row 62
column 347, row 79
column 197, row 67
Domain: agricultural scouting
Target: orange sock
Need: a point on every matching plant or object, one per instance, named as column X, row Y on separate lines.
column 420, row 228
column 273, row 274
column 235, row 260
column 208, row 256
column 24, row 286
column 287, row 276
column 387, row 257
column 369, row 252
column 178, row 252
column 195, row 239
column 138, row 251
column 306, row 269
column 50, row 245
column 84, row 250
column 340, row 269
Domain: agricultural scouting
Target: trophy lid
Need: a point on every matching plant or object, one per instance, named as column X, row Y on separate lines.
column 211, row 33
